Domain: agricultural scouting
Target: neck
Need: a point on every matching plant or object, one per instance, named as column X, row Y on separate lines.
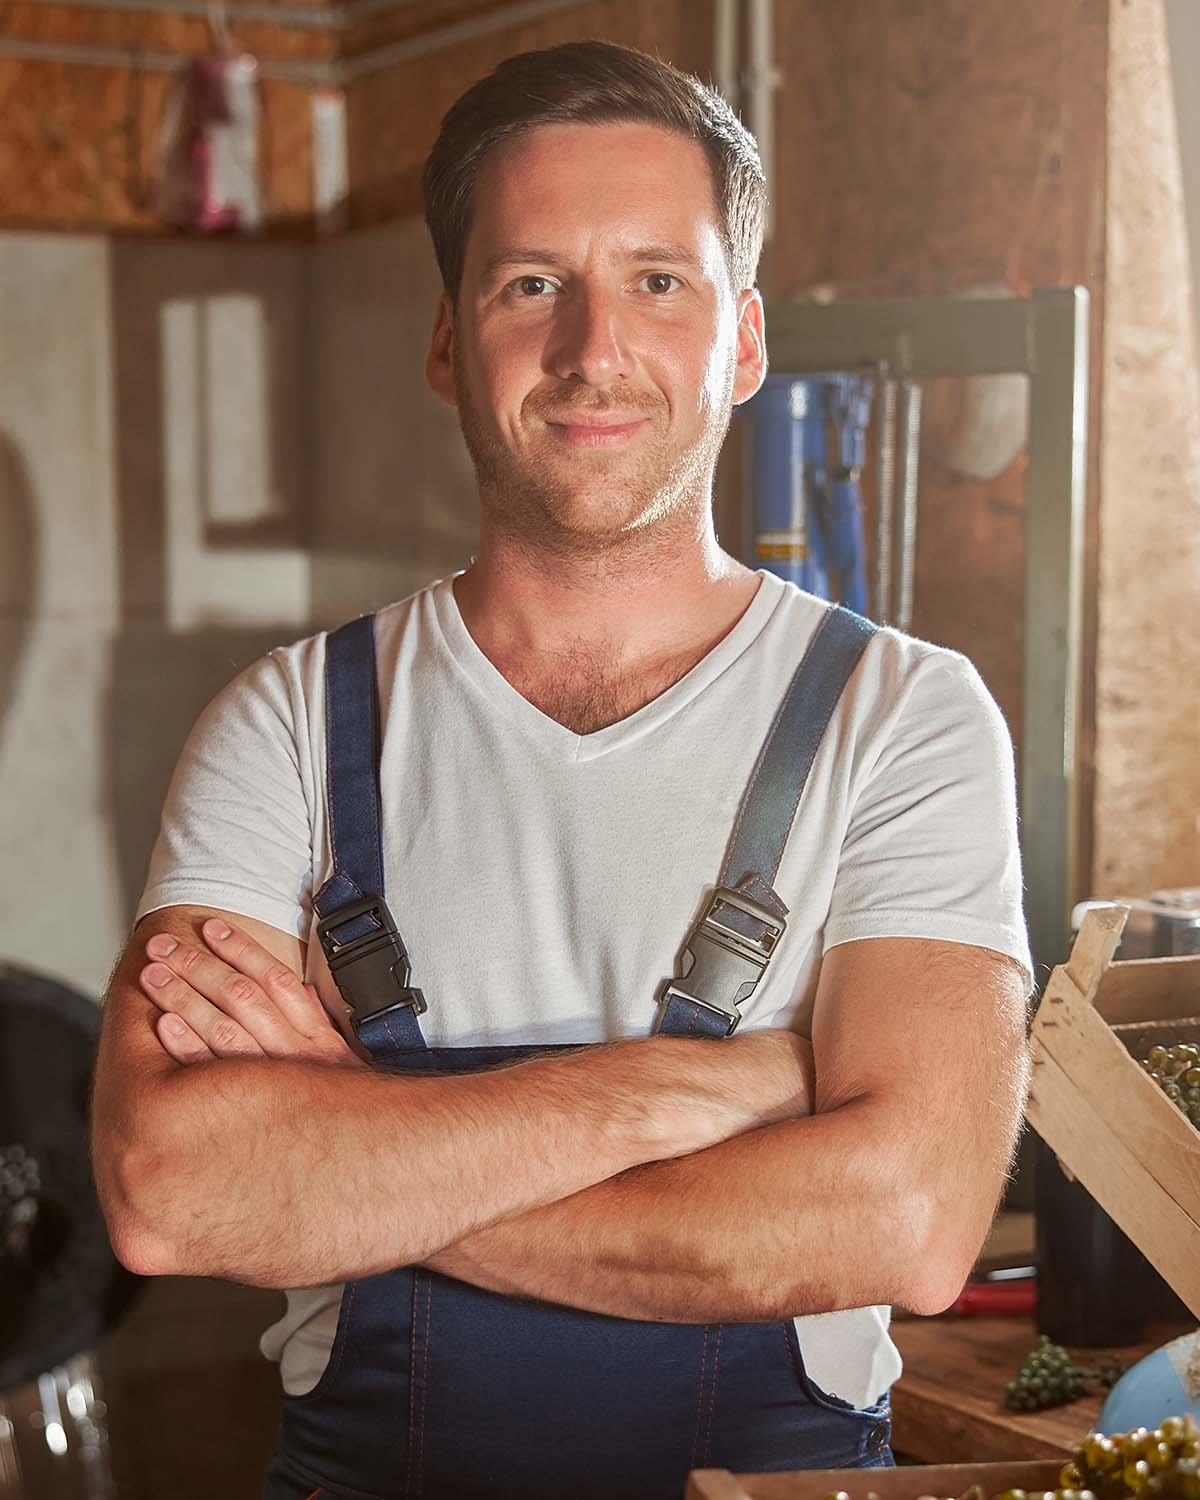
column 646, row 599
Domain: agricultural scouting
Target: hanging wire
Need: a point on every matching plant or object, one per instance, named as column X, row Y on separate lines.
column 218, row 25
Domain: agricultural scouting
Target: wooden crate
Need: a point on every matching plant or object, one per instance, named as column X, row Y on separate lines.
column 1108, row 1123
column 906, row 1482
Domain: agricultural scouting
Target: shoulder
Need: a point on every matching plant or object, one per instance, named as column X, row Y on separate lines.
column 898, row 676
column 293, row 673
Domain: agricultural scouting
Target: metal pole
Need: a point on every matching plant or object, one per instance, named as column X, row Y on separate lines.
column 910, row 423
column 885, row 491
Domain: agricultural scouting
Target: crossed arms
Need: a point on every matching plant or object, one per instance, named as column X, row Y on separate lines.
column 656, row 1178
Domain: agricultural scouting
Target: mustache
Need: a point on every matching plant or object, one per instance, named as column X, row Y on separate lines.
column 593, row 414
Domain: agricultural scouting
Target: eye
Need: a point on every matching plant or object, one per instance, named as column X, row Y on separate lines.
column 525, row 281
column 661, row 276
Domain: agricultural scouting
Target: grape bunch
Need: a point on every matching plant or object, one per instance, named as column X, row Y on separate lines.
column 1176, row 1070
column 1162, row 1463
column 1140, row 1465
column 20, row 1182
column 1048, row 1377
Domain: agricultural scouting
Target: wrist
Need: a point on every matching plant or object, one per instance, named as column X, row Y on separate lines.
column 628, row 1089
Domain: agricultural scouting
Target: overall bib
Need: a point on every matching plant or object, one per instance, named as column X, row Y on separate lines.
column 436, row 1389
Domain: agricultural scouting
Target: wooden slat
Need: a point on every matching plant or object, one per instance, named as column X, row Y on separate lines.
column 947, row 1406
column 1094, row 946
column 1150, row 989
column 713, row 1484
column 1134, row 1109
column 903, row 1483
column 1066, row 1119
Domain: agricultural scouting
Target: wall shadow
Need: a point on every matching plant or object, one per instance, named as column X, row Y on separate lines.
column 166, row 665
column 18, row 558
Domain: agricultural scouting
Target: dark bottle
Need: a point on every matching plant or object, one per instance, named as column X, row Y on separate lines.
column 1095, row 1288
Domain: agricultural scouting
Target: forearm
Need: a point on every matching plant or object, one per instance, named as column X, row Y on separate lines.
column 283, row 1170
column 280, row 1173
column 809, row 1215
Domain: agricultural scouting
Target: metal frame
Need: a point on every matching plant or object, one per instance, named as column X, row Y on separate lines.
column 1045, row 337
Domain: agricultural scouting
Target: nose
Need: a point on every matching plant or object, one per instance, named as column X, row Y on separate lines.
column 590, row 339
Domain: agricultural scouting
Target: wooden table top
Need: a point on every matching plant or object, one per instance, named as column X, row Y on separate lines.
column 948, row 1407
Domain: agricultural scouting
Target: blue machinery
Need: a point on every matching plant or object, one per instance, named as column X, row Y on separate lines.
column 808, row 448
column 808, row 432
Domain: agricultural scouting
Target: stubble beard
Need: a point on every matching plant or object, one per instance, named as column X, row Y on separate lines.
column 641, row 500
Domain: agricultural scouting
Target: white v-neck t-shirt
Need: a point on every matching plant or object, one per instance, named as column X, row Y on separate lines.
column 544, row 881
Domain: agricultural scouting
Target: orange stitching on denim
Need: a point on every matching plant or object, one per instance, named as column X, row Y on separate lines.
column 412, row 1383
column 787, row 1344
column 712, row 1400
column 315, row 1494
column 425, row 1378
column 700, row 1399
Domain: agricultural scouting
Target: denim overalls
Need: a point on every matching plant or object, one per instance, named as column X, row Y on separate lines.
column 436, row 1389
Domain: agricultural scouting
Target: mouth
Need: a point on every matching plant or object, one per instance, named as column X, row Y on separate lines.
column 596, row 434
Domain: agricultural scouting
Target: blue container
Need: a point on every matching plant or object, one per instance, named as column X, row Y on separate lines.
column 807, row 443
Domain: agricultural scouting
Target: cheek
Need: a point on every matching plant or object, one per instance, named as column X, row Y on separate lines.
column 716, row 382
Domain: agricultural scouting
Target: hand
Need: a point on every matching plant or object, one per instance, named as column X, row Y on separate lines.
column 777, row 1068
column 705, row 1092
column 235, row 999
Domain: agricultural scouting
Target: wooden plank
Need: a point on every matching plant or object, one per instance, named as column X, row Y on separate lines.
column 902, row 1483
column 948, row 1404
column 1072, row 1127
column 1094, row 946
column 1131, row 1105
column 1150, row 989
column 713, row 1484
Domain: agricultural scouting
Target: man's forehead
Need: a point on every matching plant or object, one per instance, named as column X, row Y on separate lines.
column 645, row 191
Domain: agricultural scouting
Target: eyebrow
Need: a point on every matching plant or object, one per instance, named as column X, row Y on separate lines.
column 522, row 255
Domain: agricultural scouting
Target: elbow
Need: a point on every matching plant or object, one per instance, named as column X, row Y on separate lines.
column 127, row 1187
column 931, row 1276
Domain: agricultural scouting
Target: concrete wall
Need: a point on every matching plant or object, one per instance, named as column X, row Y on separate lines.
column 205, row 450
column 59, row 902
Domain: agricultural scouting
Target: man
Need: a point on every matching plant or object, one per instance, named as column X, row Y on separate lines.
column 618, row 1261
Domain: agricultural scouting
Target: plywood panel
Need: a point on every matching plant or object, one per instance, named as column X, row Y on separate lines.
column 933, row 147
column 1148, row 664
column 79, row 141
column 394, row 116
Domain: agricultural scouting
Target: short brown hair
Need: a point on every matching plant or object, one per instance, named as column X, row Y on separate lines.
column 591, row 83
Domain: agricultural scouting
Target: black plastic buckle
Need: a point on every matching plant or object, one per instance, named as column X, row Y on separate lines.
column 720, row 964
column 371, row 971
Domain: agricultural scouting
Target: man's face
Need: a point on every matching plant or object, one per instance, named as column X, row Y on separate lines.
column 598, row 346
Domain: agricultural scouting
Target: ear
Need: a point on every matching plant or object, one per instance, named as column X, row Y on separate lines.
column 751, row 368
column 439, row 362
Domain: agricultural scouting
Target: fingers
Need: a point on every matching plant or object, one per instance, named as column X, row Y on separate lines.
column 238, row 999
column 178, row 1038
column 296, row 1001
column 226, row 1009
column 221, row 1032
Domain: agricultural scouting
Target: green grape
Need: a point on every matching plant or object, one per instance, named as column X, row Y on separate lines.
column 1176, row 1071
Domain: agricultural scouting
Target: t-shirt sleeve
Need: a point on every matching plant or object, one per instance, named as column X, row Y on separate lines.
column 236, row 828
column 931, row 849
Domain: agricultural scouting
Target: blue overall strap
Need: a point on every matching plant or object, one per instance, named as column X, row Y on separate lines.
column 366, row 955
column 728, row 949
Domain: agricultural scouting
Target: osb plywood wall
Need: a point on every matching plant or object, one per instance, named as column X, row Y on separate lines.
column 1148, row 656
column 933, row 146
column 394, row 114
column 78, row 141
